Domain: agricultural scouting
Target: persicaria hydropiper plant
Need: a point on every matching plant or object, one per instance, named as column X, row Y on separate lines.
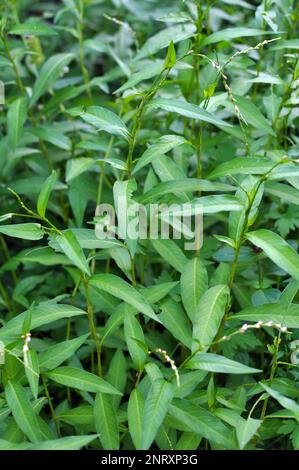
column 115, row 333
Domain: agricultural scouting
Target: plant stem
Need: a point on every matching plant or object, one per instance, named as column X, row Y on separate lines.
column 139, row 115
column 54, row 417
column 272, row 372
column 80, row 30
column 239, row 244
column 92, row 326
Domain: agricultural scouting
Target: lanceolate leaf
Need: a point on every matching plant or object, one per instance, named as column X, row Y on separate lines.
column 106, row 422
column 246, row 429
column 41, row 315
column 285, row 402
column 70, row 246
column 53, row 356
column 134, row 337
column 163, row 38
column 194, row 282
column 208, row 315
column 176, row 322
column 16, row 117
column 284, row 314
column 241, row 165
column 202, row 422
column 45, row 193
column 164, row 145
column 49, row 73
column 65, row 443
column 35, row 28
column 277, row 249
column 124, row 291
column 169, row 250
column 216, row 363
column 135, row 413
column 81, row 380
column 179, row 186
column 188, row 110
column 22, row 411
column 156, row 405
column 253, row 115
column 102, row 119
column 30, row 231
column 231, row 33
column 283, row 191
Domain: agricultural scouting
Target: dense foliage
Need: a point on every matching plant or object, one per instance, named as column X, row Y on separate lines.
column 119, row 343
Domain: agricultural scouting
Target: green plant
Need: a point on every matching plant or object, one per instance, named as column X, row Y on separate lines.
column 124, row 343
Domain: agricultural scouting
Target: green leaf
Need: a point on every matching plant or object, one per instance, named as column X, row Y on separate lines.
column 145, row 73
column 157, row 292
column 65, row 443
column 156, row 405
column 30, row 231
column 162, row 146
column 176, row 322
column 194, row 282
column 45, row 192
column 202, row 422
column 284, row 192
column 54, row 355
column 285, row 402
column 232, row 33
column 208, row 205
column 188, row 441
column 41, row 315
column 16, row 118
column 81, row 415
column 34, row 28
column 289, row 293
column 7, row 445
column 106, row 422
column 171, row 252
column 287, row 315
column 133, row 332
column 114, row 162
column 246, row 429
column 53, row 135
column 81, row 380
column 277, row 249
column 216, row 363
column 253, row 115
column 124, row 291
column 124, row 202
column 135, row 413
column 242, row 166
column 208, row 315
column 167, row 169
column 117, row 375
column 170, row 59
column 189, row 110
column 179, row 186
column 48, row 75
column 70, row 246
column 219, row 203
column 77, row 166
column 162, row 39
column 22, row 411
column 102, row 119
